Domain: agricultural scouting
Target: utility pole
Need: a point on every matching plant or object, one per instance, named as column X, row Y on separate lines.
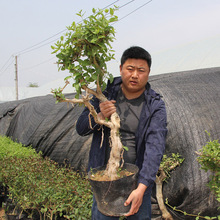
column 16, row 77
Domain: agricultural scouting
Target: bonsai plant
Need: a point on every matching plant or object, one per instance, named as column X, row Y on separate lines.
column 84, row 51
column 168, row 164
column 208, row 158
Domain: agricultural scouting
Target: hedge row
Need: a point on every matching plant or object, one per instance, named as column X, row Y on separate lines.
column 37, row 184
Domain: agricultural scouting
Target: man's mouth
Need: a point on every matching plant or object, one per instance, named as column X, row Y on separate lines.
column 133, row 82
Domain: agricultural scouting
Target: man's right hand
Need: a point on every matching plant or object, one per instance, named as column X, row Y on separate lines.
column 107, row 108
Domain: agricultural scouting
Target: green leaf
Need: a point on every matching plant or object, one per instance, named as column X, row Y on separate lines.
column 68, row 77
column 126, row 148
column 111, row 78
column 104, row 85
column 113, row 19
column 77, row 96
column 94, row 77
column 43, row 210
column 111, row 11
column 77, row 87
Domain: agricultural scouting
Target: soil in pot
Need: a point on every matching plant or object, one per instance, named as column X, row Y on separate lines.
column 111, row 195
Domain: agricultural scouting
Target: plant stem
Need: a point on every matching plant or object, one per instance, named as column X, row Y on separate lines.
column 116, row 148
column 159, row 194
column 193, row 215
column 114, row 125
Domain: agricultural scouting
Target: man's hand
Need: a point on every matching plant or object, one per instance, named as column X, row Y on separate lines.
column 135, row 198
column 107, row 108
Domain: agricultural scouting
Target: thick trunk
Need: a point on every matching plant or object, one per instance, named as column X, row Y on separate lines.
column 159, row 194
column 116, row 148
column 114, row 125
column 115, row 141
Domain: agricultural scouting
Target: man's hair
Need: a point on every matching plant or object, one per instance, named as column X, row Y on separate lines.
column 136, row 52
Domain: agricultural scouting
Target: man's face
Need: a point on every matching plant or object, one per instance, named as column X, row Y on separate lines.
column 134, row 74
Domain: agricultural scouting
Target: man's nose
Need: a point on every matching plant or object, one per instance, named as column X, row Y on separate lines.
column 135, row 73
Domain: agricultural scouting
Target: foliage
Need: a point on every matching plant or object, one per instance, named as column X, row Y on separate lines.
column 39, row 184
column 33, row 85
column 86, row 47
column 169, row 163
column 209, row 158
column 9, row 148
column 84, row 52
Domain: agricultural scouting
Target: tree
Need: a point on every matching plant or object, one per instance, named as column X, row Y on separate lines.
column 167, row 165
column 33, row 85
column 84, row 51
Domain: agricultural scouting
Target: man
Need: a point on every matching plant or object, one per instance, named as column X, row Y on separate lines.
column 143, row 128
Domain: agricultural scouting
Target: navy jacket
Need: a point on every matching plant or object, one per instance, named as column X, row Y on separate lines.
column 150, row 136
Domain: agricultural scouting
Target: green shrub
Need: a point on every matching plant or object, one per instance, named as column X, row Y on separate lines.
column 40, row 184
column 9, row 148
column 209, row 158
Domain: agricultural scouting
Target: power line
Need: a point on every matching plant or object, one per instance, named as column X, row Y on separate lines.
column 110, row 4
column 37, row 64
column 5, row 63
column 134, row 10
column 126, row 4
column 34, row 47
column 31, row 48
column 39, row 46
column 4, row 69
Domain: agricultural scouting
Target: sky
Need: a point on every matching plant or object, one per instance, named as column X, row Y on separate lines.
column 180, row 35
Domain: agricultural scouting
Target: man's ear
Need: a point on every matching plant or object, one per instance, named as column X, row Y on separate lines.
column 120, row 67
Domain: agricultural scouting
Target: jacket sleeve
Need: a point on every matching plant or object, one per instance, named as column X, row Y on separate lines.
column 155, row 139
column 83, row 127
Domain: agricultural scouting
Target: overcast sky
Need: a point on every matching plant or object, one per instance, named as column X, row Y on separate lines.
column 180, row 35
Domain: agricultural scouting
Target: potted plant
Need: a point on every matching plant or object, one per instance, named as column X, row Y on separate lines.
column 84, row 52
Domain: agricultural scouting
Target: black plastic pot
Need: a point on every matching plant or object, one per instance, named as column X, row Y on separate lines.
column 111, row 195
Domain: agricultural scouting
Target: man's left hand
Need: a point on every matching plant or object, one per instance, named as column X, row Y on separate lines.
column 135, row 198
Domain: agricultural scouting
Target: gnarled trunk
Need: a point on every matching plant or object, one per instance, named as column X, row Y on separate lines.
column 116, row 148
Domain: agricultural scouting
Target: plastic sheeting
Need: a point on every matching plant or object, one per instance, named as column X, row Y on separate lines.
column 193, row 105
column 48, row 127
